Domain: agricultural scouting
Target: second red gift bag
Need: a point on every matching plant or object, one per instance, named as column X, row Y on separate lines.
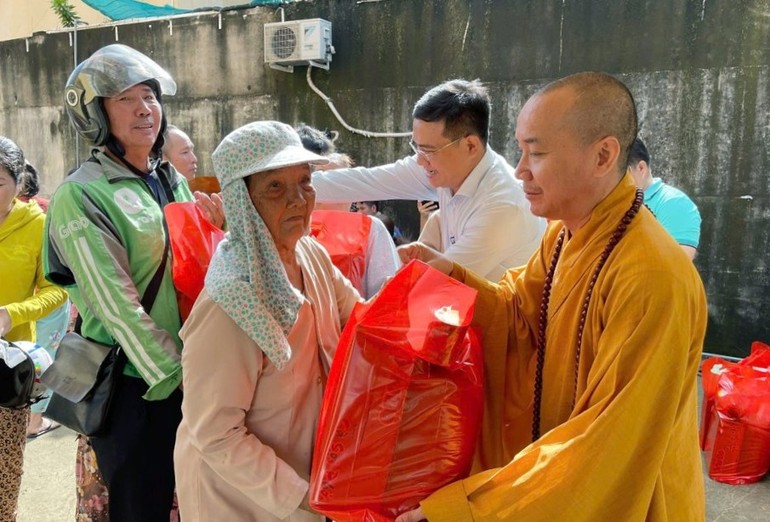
column 193, row 242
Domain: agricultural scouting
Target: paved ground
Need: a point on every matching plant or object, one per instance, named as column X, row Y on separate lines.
column 48, row 484
column 48, row 492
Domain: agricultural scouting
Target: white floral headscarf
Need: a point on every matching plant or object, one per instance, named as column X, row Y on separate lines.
column 246, row 276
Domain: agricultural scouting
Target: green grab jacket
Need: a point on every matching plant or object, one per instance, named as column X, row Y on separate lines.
column 105, row 241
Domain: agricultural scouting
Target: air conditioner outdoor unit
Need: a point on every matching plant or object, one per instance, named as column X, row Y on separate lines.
column 298, row 42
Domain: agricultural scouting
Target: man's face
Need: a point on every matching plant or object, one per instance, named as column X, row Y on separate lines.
column 284, row 198
column 134, row 115
column 555, row 166
column 180, row 151
column 446, row 160
column 365, row 208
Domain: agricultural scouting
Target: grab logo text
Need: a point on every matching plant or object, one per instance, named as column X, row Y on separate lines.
column 73, row 226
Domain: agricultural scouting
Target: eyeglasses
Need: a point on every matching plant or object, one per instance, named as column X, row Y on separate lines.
column 428, row 154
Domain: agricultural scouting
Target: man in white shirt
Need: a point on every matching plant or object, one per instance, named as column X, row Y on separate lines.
column 485, row 222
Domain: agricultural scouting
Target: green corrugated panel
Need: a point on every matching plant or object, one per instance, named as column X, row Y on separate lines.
column 126, row 9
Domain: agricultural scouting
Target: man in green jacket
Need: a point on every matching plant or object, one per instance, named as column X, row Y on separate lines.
column 106, row 241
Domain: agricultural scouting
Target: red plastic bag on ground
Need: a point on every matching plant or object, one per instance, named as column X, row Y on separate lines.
column 711, row 369
column 759, row 357
column 739, row 453
column 345, row 236
column 193, row 241
column 735, row 422
column 402, row 408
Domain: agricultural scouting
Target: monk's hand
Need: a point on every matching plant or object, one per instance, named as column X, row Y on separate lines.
column 212, row 207
column 414, row 515
column 425, row 254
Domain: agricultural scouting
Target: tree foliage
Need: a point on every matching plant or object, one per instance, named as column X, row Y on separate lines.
column 65, row 11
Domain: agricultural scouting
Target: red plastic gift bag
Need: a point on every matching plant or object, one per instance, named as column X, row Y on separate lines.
column 711, row 370
column 735, row 426
column 403, row 403
column 759, row 357
column 739, row 452
column 345, row 236
column 193, row 242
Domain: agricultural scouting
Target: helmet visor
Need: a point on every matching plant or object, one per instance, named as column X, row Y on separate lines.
column 114, row 68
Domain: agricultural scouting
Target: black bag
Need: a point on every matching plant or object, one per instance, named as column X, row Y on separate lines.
column 17, row 377
column 84, row 374
column 83, row 378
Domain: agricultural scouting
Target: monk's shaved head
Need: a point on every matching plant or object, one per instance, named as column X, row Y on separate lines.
column 603, row 107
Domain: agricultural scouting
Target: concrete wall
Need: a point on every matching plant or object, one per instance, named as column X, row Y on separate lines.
column 699, row 70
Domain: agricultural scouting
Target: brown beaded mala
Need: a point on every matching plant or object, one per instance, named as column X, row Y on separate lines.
column 614, row 240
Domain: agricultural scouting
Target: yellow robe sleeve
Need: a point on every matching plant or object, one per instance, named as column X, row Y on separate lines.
column 635, row 420
column 505, row 312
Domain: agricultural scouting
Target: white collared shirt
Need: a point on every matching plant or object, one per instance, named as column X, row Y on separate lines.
column 486, row 226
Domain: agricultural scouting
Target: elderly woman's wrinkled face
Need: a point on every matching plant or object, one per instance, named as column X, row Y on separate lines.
column 284, row 198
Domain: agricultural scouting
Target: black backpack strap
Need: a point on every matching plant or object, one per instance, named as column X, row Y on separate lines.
column 163, row 176
column 151, row 292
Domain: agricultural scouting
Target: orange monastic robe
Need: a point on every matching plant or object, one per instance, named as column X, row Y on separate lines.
column 628, row 450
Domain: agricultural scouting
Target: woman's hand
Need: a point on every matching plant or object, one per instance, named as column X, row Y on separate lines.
column 425, row 254
column 426, row 208
column 211, row 207
column 411, row 516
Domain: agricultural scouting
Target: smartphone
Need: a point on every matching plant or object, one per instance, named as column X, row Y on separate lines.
column 424, row 201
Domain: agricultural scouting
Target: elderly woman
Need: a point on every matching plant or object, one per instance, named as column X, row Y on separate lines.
column 25, row 297
column 259, row 339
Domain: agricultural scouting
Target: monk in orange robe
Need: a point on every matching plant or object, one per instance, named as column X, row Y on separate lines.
column 592, row 349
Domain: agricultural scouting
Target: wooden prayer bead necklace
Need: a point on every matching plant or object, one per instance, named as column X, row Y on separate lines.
column 613, row 241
